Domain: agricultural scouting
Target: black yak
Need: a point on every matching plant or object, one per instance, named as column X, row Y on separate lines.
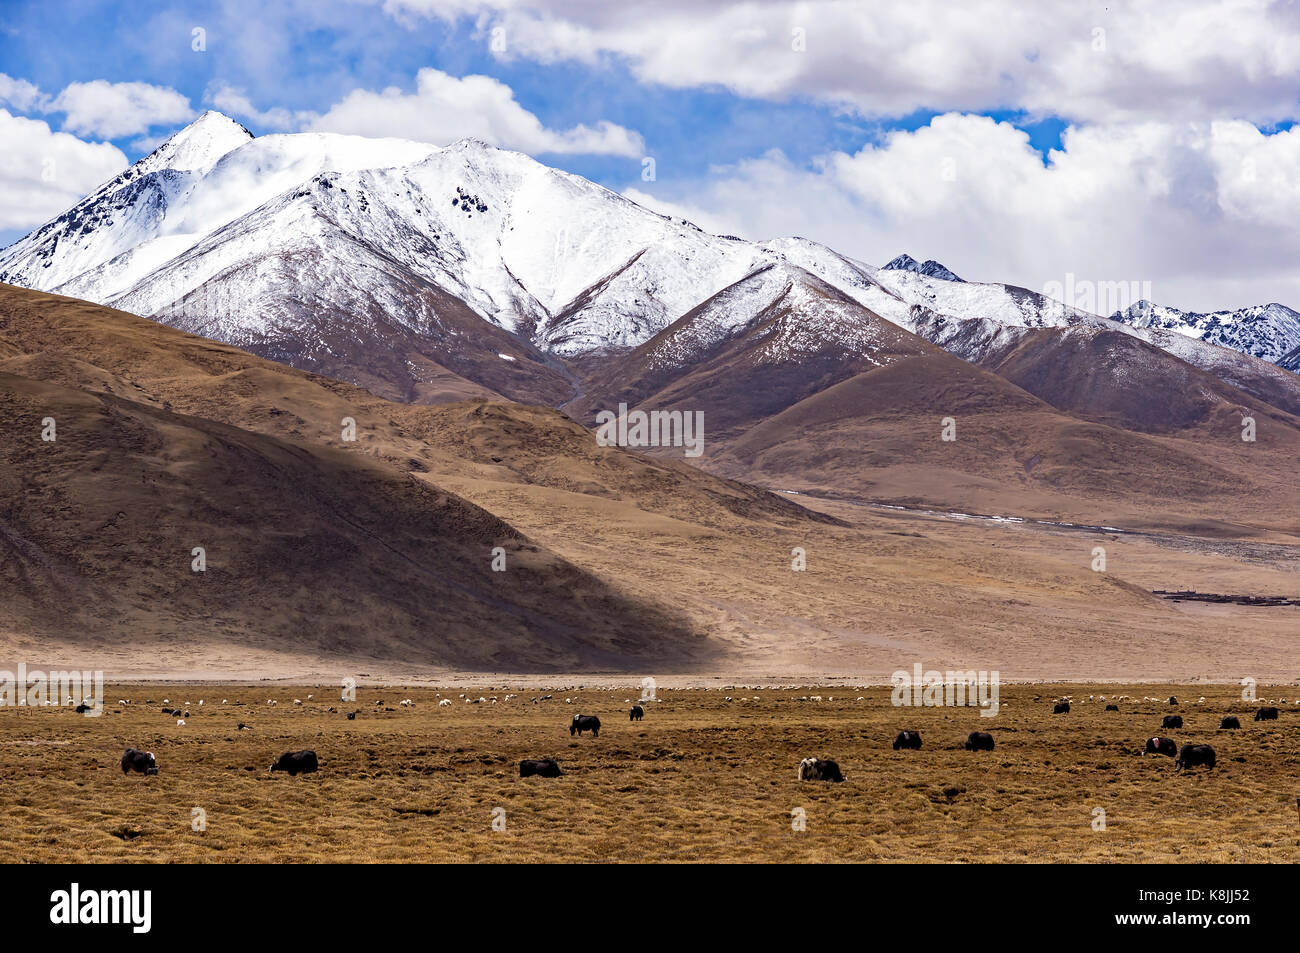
column 1192, row 755
column 1158, row 745
column 541, row 767
column 136, row 760
column 816, row 769
column 297, row 762
column 583, row 723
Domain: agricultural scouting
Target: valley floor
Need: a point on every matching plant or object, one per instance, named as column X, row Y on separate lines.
column 708, row 776
column 888, row 589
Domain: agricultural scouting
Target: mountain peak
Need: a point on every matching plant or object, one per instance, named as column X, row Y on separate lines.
column 931, row 268
column 198, row 146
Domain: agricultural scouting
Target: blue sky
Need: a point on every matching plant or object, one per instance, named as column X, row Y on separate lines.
column 1012, row 141
column 334, row 49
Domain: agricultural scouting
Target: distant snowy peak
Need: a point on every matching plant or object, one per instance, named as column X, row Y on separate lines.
column 1268, row 331
column 930, row 268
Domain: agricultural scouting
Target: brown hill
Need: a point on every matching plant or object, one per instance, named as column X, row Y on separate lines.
column 168, row 441
column 804, row 389
column 1111, row 376
column 644, row 565
column 307, row 548
column 86, row 346
column 759, row 346
column 879, row 436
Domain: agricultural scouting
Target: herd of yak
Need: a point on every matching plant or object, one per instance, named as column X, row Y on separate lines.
column 809, row 769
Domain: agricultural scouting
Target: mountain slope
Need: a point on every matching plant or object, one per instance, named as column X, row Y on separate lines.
column 879, row 436
column 329, row 557
column 804, row 389
column 768, row 341
column 317, row 547
column 88, row 347
column 307, row 549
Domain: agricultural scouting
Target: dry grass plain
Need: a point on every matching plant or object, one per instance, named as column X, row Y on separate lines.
column 701, row 779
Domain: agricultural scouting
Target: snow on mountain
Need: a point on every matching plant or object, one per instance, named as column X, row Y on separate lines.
column 794, row 313
column 197, row 147
column 776, row 337
column 304, row 246
column 209, row 174
column 124, row 212
column 1268, row 331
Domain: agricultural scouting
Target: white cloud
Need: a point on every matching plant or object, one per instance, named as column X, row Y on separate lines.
column 1158, row 59
column 445, row 108
column 235, row 102
column 1208, row 213
column 19, row 93
column 43, row 172
column 114, row 110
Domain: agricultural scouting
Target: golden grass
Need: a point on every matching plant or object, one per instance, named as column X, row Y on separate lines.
column 700, row 779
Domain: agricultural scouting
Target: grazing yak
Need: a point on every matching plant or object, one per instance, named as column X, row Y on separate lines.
column 1266, row 714
column 1173, row 700
column 583, row 723
column 135, row 760
column 1229, row 721
column 636, row 714
column 541, row 767
column 908, row 739
column 1158, row 745
column 1172, row 721
column 1112, row 708
column 1192, row 755
column 817, row 769
column 83, row 708
column 297, row 762
column 979, row 741
column 1062, row 708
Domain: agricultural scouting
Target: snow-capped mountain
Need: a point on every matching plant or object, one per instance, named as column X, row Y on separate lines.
column 930, row 268
column 1269, row 331
column 422, row 272
column 777, row 336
